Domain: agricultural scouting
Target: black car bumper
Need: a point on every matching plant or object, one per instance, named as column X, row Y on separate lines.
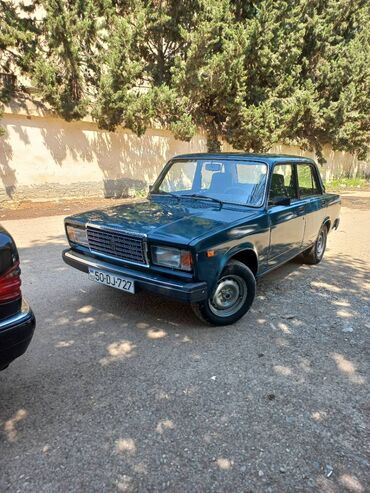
column 15, row 334
column 183, row 291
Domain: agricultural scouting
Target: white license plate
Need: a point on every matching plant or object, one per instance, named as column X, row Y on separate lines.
column 112, row 280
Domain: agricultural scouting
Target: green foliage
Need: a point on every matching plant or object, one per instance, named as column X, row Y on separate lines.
column 66, row 68
column 250, row 73
column 135, row 90
column 18, row 40
column 340, row 184
column 211, row 77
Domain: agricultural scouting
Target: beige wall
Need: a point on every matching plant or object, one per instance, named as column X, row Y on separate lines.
column 45, row 157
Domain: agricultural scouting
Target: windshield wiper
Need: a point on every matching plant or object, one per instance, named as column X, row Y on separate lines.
column 201, row 196
column 160, row 192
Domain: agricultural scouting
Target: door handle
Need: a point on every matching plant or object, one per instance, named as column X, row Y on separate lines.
column 300, row 210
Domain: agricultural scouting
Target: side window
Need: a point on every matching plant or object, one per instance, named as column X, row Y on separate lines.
column 282, row 182
column 306, row 180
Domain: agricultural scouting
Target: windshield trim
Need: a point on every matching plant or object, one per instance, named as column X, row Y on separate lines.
column 171, row 162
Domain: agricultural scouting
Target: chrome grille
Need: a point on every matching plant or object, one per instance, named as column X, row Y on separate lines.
column 117, row 244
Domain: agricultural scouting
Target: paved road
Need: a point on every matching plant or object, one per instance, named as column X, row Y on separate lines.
column 123, row 393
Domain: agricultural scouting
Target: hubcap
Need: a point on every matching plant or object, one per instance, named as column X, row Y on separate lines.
column 229, row 296
column 320, row 244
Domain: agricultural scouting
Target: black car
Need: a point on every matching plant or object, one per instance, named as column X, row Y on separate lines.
column 17, row 321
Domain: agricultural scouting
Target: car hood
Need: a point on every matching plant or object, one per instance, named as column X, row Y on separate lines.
column 167, row 219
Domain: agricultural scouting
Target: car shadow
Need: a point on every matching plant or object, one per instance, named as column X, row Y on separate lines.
column 135, row 378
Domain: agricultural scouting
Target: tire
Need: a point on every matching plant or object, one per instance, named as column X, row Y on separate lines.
column 232, row 297
column 314, row 254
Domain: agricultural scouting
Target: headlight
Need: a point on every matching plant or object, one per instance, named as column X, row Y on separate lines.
column 172, row 257
column 77, row 235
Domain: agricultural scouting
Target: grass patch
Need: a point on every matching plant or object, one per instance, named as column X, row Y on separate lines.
column 141, row 193
column 347, row 183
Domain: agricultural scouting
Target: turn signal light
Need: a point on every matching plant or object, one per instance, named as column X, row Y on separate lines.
column 186, row 260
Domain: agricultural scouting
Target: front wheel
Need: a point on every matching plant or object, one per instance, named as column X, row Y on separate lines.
column 232, row 297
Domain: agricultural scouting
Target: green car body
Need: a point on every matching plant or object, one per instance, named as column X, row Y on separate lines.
column 262, row 236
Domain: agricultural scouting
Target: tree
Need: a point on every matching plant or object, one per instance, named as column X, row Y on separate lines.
column 294, row 70
column 330, row 104
column 135, row 88
column 66, row 69
column 274, row 41
column 211, row 77
column 251, row 73
column 18, row 40
column 343, row 74
column 18, row 37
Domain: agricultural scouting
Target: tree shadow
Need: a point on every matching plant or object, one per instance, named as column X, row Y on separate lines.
column 7, row 173
column 123, row 160
column 164, row 399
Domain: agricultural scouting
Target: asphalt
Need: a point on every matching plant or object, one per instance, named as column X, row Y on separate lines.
column 133, row 393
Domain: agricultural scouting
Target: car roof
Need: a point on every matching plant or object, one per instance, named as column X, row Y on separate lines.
column 268, row 158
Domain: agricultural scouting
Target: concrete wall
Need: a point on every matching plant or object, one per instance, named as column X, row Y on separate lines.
column 44, row 157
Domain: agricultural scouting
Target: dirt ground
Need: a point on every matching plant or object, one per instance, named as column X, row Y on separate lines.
column 121, row 393
column 29, row 209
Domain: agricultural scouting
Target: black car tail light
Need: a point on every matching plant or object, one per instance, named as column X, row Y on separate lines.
column 10, row 284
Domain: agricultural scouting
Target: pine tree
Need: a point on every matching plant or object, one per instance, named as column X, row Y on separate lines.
column 330, row 103
column 211, row 76
column 251, row 73
column 135, row 88
column 66, row 69
column 274, row 40
column 18, row 37
column 18, row 41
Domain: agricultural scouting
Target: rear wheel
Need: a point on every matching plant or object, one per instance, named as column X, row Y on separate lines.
column 315, row 253
column 232, row 297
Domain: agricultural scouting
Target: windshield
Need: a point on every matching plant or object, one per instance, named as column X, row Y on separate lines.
column 238, row 182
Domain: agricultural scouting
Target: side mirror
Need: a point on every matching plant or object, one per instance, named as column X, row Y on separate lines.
column 280, row 200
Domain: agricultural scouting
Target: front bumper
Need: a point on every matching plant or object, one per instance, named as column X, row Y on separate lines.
column 15, row 334
column 191, row 292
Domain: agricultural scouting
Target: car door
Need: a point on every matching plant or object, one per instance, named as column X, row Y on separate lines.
column 287, row 222
column 311, row 197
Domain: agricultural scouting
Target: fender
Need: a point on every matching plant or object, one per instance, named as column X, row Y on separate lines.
column 237, row 250
column 326, row 221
